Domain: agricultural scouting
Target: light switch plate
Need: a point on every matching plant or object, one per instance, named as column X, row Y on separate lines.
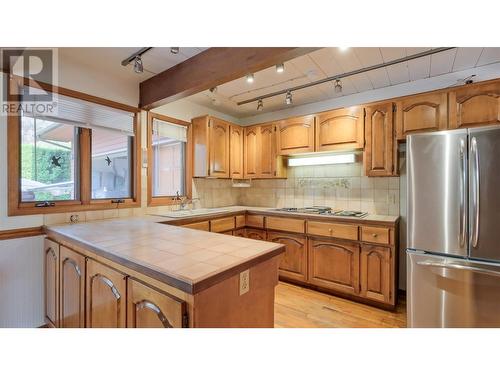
column 244, row 282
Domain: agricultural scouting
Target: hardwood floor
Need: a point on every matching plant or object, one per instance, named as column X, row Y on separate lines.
column 297, row 307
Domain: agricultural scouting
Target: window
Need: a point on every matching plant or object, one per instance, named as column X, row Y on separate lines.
column 168, row 157
column 82, row 157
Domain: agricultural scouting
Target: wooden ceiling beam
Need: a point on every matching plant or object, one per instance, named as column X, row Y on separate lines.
column 210, row 68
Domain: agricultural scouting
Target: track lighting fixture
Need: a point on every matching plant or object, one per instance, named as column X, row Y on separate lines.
column 260, row 105
column 138, row 67
column 338, row 86
column 250, row 78
column 280, row 68
column 174, row 50
column 213, row 90
column 288, row 98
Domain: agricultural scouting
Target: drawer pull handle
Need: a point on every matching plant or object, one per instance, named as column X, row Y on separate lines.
column 375, row 235
column 330, row 230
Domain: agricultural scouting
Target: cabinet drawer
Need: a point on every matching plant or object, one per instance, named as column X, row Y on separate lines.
column 201, row 225
column 222, row 225
column 345, row 231
column 376, row 235
column 240, row 221
column 255, row 221
column 285, row 224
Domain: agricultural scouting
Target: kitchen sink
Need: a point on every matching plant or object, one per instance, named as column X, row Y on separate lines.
column 188, row 213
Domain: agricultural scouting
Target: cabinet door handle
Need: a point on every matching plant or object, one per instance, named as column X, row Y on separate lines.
column 374, row 235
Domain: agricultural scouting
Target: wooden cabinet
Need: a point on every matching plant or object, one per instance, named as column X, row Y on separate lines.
column 340, row 129
column 72, row 268
column 285, row 224
column 295, row 135
column 380, row 148
column 201, row 225
column 475, row 105
column 222, row 225
column 380, row 235
column 267, row 151
column 421, row 113
column 152, row 308
column 261, row 160
column 376, row 273
column 334, row 265
column 240, row 232
column 326, row 229
column 240, row 221
column 255, row 221
column 251, row 151
column 293, row 264
column 51, row 268
column 236, row 141
column 256, row 234
column 106, row 296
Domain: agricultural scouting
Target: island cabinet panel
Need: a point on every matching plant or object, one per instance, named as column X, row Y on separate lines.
column 267, row 151
column 236, row 141
column 379, row 155
column 293, row 264
column 295, row 135
column 251, row 151
column 475, row 105
column 219, row 148
column 72, row 289
column 421, row 113
column 376, row 273
column 334, row 265
column 51, row 268
column 152, row 308
column 256, row 234
column 340, row 129
column 106, row 296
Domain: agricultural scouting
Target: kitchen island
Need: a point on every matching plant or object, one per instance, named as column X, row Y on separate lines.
column 138, row 272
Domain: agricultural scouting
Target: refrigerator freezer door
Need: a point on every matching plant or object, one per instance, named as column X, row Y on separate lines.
column 437, row 192
column 452, row 292
column 484, row 195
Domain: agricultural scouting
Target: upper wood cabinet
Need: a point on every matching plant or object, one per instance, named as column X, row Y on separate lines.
column 267, row 151
column 151, row 308
column 51, row 265
column 293, row 264
column 251, row 148
column 340, row 129
column 295, row 135
column 475, row 105
column 236, row 142
column 106, row 296
column 379, row 153
column 376, row 273
column 72, row 289
column 261, row 160
column 421, row 113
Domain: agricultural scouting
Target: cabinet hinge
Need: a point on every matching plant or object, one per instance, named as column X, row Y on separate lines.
column 185, row 321
column 393, row 107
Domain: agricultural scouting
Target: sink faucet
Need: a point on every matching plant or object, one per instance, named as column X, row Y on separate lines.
column 184, row 201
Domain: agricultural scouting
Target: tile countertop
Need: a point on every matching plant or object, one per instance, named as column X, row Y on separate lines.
column 186, row 259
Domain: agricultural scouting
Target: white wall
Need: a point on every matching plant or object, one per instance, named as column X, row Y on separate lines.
column 185, row 110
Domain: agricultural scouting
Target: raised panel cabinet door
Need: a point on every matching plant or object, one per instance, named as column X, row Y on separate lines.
column 293, row 264
column 72, row 289
column 475, row 105
column 379, row 141
column 421, row 113
column 251, row 151
column 240, row 232
column 340, row 129
column 295, row 135
column 219, row 148
column 376, row 273
column 106, row 296
column 256, row 234
column 236, row 141
column 334, row 265
column 151, row 308
column 267, row 151
column 51, row 268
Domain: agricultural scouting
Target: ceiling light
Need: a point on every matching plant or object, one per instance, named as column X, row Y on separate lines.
column 174, row 50
column 250, row 78
column 338, row 86
column 260, row 105
column 343, row 49
column 322, row 160
column 138, row 67
column 288, row 99
column 213, row 90
column 280, row 68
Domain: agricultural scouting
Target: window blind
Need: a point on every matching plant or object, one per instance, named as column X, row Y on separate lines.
column 169, row 130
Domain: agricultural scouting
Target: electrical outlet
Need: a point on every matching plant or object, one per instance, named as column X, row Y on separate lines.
column 244, row 282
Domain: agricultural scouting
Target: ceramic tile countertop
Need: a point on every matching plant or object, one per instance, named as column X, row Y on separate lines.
column 187, row 259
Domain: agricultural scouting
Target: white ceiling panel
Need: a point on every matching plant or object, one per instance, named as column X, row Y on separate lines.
column 325, row 60
column 488, row 56
column 379, row 78
column 392, row 53
column 398, row 73
column 442, row 62
column 368, row 56
column 466, row 58
column 419, row 68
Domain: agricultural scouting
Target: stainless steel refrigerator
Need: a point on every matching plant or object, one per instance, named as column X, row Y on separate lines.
column 453, row 233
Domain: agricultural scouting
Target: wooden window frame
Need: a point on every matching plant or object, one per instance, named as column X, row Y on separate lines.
column 84, row 203
column 169, row 200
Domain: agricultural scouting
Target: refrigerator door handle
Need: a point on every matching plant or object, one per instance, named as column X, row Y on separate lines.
column 455, row 266
column 463, row 192
column 475, row 191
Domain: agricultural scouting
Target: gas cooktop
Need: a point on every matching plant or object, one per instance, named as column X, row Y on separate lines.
column 322, row 210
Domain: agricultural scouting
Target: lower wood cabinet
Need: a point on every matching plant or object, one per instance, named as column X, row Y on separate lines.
column 106, row 296
column 51, row 268
column 334, row 265
column 240, row 232
column 376, row 273
column 72, row 286
column 151, row 308
column 293, row 264
column 256, row 234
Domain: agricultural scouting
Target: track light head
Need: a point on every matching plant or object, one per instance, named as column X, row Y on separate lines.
column 174, row 50
column 250, row 78
column 280, row 68
column 213, row 90
column 260, row 105
column 288, row 98
column 138, row 67
column 338, row 86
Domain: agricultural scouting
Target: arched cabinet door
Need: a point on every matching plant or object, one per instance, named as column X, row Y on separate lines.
column 51, row 268
column 295, row 135
column 376, row 273
column 219, row 148
column 236, row 146
column 72, row 289
column 106, row 296
column 151, row 308
column 293, row 264
column 251, row 151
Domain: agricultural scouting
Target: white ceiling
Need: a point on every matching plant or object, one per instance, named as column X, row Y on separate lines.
column 332, row 61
